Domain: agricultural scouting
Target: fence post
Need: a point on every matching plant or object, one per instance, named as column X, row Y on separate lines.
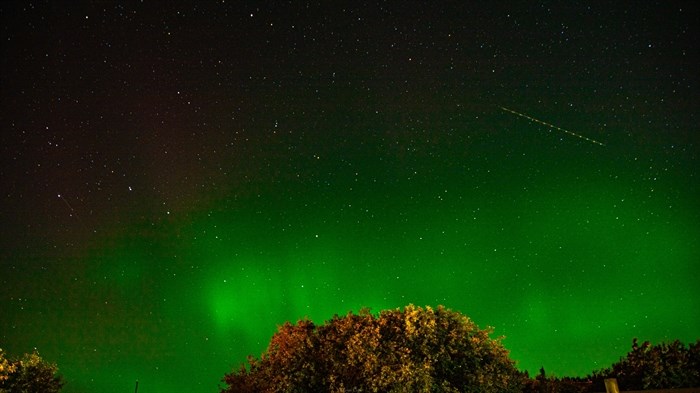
column 611, row 385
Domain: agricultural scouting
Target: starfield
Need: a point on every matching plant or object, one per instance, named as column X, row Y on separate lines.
column 180, row 178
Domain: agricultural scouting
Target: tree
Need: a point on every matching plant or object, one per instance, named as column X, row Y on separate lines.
column 544, row 384
column 411, row 350
column 6, row 368
column 31, row 374
column 662, row 366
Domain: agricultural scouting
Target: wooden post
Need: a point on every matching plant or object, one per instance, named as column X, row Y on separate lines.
column 611, row 385
column 137, row 387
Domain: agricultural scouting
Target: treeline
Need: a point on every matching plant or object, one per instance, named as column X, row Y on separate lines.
column 411, row 350
column 661, row 366
column 434, row 350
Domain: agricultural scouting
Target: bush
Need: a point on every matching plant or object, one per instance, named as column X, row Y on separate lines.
column 411, row 350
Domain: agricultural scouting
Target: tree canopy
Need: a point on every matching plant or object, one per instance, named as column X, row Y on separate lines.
column 661, row 366
column 30, row 374
column 414, row 349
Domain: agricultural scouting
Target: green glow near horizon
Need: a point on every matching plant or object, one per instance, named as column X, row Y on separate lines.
column 563, row 269
column 180, row 178
column 564, row 253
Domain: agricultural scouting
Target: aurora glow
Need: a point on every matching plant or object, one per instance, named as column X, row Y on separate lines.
column 178, row 180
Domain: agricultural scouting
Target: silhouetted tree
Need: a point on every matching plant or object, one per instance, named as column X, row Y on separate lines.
column 31, row 374
column 543, row 384
column 662, row 366
column 411, row 350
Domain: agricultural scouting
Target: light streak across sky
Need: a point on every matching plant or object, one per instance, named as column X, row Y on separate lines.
column 552, row 126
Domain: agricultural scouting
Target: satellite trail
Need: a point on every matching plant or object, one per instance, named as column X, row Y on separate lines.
column 552, row 126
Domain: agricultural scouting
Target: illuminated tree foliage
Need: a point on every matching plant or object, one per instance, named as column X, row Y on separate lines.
column 31, row 374
column 662, row 366
column 6, row 368
column 414, row 349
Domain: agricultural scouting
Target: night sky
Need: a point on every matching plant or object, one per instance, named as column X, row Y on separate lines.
column 179, row 178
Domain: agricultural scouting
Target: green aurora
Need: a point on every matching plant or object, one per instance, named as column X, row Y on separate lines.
column 224, row 168
column 564, row 252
